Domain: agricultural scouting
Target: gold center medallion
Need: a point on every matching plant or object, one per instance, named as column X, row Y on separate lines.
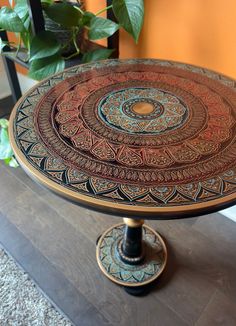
column 143, row 108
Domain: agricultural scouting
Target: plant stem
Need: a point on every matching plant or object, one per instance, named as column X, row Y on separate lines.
column 102, row 10
column 72, row 55
column 68, row 42
column 80, row 10
column 18, row 45
column 74, row 40
column 76, row 46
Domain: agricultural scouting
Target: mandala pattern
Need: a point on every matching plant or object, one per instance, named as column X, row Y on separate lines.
column 127, row 274
column 148, row 133
column 142, row 110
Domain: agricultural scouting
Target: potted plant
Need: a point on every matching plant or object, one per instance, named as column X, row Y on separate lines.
column 45, row 52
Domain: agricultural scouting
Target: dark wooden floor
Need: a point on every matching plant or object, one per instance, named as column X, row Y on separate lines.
column 54, row 241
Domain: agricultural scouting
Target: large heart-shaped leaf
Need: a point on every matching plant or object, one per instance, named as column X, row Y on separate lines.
column 44, row 44
column 10, row 21
column 64, row 14
column 99, row 54
column 129, row 14
column 101, row 28
column 22, row 10
column 42, row 68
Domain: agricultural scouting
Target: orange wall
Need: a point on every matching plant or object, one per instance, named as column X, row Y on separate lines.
column 201, row 32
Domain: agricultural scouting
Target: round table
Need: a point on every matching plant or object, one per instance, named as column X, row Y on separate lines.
column 142, row 139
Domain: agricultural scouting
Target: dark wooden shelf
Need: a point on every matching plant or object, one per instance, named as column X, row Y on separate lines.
column 20, row 58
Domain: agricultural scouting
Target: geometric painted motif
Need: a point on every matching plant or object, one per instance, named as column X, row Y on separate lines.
column 127, row 274
column 165, row 110
column 149, row 133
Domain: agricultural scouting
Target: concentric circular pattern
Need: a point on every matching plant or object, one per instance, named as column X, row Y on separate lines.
column 141, row 110
column 132, row 133
column 126, row 274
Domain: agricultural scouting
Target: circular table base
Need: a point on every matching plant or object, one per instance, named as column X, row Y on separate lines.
column 125, row 274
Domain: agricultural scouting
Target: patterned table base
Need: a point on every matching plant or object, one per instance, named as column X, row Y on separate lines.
column 131, row 275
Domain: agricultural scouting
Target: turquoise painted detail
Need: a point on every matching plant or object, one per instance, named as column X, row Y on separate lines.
column 109, row 257
column 116, row 110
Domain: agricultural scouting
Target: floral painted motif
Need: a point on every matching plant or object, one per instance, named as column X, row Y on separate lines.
column 149, row 133
column 127, row 274
column 165, row 110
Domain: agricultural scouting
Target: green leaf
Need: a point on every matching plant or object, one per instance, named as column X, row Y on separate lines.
column 42, row 68
column 87, row 17
column 27, row 23
column 5, row 152
column 5, row 147
column 21, row 8
column 13, row 163
column 25, row 37
column 100, row 54
column 10, row 21
column 47, row 2
column 4, row 123
column 44, row 44
column 2, row 45
column 4, row 138
column 7, row 160
column 129, row 14
column 64, row 14
column 101, row 28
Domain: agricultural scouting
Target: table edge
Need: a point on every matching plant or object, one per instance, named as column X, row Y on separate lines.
column 115, row 208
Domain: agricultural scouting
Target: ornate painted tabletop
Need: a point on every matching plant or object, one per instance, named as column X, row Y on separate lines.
column 145, row 138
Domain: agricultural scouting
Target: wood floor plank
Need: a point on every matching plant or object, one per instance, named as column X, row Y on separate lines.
column 186, row 293
column 221, row 233
column 185, row 289
column 9, row 187
column 22, row 177
column 65, row 235
column 66, row 297
column 220, row 312
column 74, row 256
column 218, row 229
column 70, row 212
column 198, row 253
